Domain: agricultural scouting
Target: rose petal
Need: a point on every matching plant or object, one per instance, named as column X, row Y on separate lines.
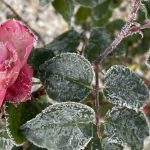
column 20, row 36
column 20, row 91
column 3, row 52
column 10, row 68
column 2, row 95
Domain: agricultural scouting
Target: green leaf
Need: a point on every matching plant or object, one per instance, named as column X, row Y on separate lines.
column 82, row 15
column 144, row 12
column 67, row 77
column 115, row 25
column 98, row 41
column 16, row 115
column 89, row 3
column 2, row 124
column 125, row 127
column 6, row 142
column 147, row 5
column 66, row 42
column 38, row 56
column 61, row 126
column 111, row 146
column 103, row 12
column 17, row 148
column 100, row 10
column 65, row 8
column 115, row 3
column 102, row 144
column 103, row 20
column 29, row 146
column 125, row 88
column 33, row 147
column 94, row 144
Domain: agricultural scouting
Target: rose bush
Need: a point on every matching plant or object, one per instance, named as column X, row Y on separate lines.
column 16, row 43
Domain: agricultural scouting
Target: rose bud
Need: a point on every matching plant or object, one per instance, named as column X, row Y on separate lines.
column 16, row 43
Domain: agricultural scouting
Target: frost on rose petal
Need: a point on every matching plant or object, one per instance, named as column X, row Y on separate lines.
column 3, row 52
column 2, row 95
column 23, row 81
column 16, row 43
column 20, row 36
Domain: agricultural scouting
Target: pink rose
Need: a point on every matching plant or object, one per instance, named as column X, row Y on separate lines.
column 16, row 43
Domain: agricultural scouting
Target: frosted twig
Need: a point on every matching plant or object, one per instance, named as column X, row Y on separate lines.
column 131, row 27
column 97, row 105
column 134, row 9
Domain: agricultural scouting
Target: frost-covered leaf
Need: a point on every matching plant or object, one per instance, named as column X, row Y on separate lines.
column 29, row 146
column 65, row 8
column 16, row 115
column 111, row 146
column 17, row 148
column 6, row 142
column 2, row 125
column 89, row 3
column 66, row 42
column 94, row 144
column 102, row 144
column 66, row 126
column 99, row 40
column 125, row 127
column 125, row 88
column 67, row 77
column 33, row 147
column 38, row 56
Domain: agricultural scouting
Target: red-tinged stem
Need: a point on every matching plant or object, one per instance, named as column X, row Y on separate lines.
column 125, row 32
column 130, row 28
column 96, row 90
column 134, row 9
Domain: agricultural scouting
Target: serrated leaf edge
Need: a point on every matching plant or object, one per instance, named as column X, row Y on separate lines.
column 81, row 57
column 55, row 105
column 8, row 130
column 140, row 80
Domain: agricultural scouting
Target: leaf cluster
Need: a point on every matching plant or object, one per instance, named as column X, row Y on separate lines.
column 62, row 113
